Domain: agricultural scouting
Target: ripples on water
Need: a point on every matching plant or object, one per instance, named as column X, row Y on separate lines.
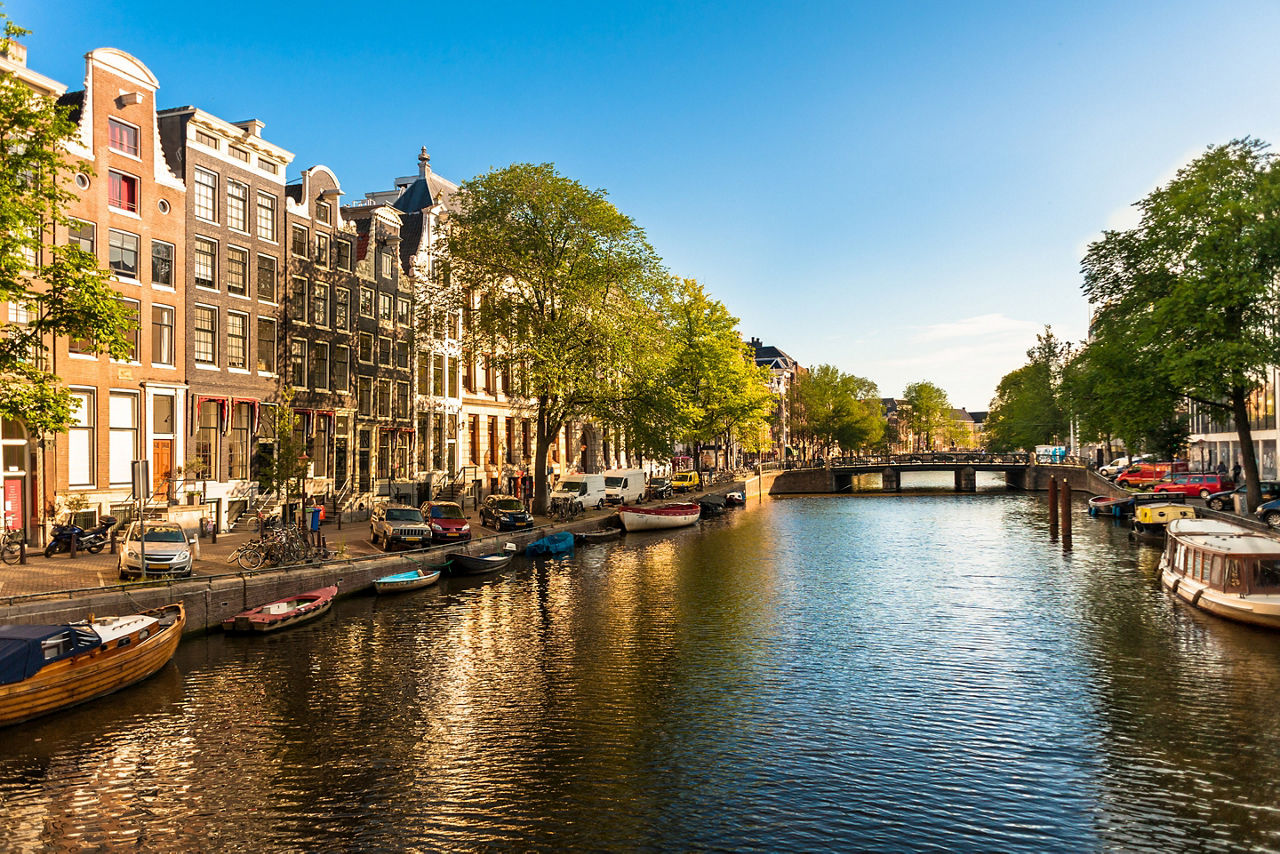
column 924, row 672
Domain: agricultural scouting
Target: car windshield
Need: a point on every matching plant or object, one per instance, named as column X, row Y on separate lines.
column 613, row 482
column 160, row 535
column 574, row 487
column 447, row 512
column 403, row 514
column 508, row 504
column 660, row 481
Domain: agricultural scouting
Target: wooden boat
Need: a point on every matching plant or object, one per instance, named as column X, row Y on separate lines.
column 1149, row 520
column 282, row 613
column 674, row 515
column 46, row 668
column 465, row 564
column 1107, row 505
column 735, row 499
column 555, row 544
column 411, row 580
column 600, row 536
column 1225, row 569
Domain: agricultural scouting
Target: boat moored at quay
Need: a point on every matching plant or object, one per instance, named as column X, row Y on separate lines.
column 674, row 515
column 1225, row 569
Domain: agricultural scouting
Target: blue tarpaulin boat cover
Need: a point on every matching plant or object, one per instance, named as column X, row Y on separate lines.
column 556, row 544
column 26, row 649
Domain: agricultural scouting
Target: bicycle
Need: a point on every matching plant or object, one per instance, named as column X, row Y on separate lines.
column 565, row 509
column 10, row 547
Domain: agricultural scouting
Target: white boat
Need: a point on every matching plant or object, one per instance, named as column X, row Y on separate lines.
column 1225, row 569
column 411, row 580
column 675, row 515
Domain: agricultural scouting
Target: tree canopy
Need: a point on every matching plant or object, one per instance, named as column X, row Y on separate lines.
column 833, row 409
column 61, row 290
column 1026, row 410
column 928, row 415
column 1191, row 290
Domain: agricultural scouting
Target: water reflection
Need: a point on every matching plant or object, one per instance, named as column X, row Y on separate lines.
column 870, row 673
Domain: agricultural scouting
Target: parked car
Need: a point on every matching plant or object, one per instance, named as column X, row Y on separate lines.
column 660, row 488
column 1202, row 485
column 1146, row 473
column 166, row 547
column 448, row 523
column 1269, row 512
column 683, row 481
column 397, row 525
column 1226, row 501
column 1119, row 464
column 505, row 513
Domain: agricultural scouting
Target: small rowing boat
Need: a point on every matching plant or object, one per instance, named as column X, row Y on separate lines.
column 47, row 668
column 283, row 613
column 465, row 564
column 600, row 536
column 674, row 515
column 411, row 580
column 1107, row 505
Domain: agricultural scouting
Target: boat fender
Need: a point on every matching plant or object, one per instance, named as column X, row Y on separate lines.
column 1195, row 599
column 1173, row 588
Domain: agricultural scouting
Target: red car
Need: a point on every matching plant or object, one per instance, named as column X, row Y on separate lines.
column 448, row 522
column 1195, row 485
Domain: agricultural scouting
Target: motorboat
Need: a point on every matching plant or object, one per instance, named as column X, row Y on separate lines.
column 411, row 580
column 1225, row 569
column 465, row 564
column 673, row 515
column 555, row 544
column 47, row 668
column 735, row 499
column 283, row 613
column 1149, row 520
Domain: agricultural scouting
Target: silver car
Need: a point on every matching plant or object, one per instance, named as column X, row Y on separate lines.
column 168, row 553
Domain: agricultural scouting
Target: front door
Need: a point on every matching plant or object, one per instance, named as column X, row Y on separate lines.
column 339, row 464
column 161, row 464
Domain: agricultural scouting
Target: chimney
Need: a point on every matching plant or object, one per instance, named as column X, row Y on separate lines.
column 16, row 52
column 755, row 342
column 253, row 127
column 424, row 163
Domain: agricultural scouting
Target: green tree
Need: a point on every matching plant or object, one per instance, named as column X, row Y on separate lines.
column 1192, row 287
column 834, row 409
column 62, row 289
column 715, row 388
column 1027, row 410
column 285, row 472
column 566, row 288
column 928, row 414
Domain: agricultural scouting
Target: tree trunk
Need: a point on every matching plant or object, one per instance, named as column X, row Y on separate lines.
column 1240, row 409
column 541, row 448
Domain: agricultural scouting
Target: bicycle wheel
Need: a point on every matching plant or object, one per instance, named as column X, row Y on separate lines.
column 10, row 553
column 249, row 558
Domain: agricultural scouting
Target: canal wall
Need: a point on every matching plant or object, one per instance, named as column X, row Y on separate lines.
column 803, row 482
column 1036, row 479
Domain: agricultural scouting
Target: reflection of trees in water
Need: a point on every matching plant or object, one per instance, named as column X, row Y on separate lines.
column 1186, row 701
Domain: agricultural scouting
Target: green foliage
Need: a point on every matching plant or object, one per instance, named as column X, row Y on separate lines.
column 1026, row 410
column 928, row 416
column 62, row 287
column 285, row 472
column 834, row 409
column 567, row 290
column 1191, row 290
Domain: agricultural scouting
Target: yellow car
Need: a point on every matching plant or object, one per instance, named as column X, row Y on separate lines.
column 683, row 481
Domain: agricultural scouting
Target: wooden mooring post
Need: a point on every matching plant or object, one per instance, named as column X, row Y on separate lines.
column 1053, row 510
column 1066, row 515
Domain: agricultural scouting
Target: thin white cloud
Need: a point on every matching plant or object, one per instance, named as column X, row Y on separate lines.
column 982, row 326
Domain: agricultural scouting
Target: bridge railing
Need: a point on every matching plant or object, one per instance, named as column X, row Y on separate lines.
column 947, row 458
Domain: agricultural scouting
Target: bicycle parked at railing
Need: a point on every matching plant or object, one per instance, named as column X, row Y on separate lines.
column 11, row 546
column 565, row 509
column 278, row 546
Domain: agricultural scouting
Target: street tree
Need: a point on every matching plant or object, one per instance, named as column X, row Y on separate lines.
column 832, row 408
column 1193, row 286
column 285, row 471
column 1027, row 410
column 562, row 286
column 928, row 415
column 58, row 289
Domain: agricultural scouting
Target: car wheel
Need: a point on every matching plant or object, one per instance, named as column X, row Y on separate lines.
column 1216, row 504
column 600, row 504
column 1272, row 518
column 1204, row 493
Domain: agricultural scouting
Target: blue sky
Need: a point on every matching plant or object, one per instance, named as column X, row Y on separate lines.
column 903, row 190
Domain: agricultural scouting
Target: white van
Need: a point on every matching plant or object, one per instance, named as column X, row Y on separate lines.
column 588, row 489
column 624, row 486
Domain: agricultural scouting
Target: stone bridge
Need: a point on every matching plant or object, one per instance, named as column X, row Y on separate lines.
column 1021, row 471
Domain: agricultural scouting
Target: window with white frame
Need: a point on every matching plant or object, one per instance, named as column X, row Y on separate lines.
column 237, row 271
column 341, row 371
column 81, row 441
column 298, row 362
column 266, row 216
column 320, row 304
column 122, row 137
column 204, row 330
column 204, row 263
column 266, row 278
column 161, row 334
column 402, row 311
column 124, row 253
column 384, row 307
column 122, row 439
column 122, row 191
column 323, row 212
column 365, row 343
column 266, row 345
column 162, row 263
column 366, row 302
column 237, row 340
column 298, row 241
column 322, row 250
column 342, row 249
column 82, row 235
column 341, row 308
column 237, row 206
column 319, row 365
column 204, row 195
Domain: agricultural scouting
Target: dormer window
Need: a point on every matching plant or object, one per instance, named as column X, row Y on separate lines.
column 208, row 139
column 323, row 212
column 122, row 137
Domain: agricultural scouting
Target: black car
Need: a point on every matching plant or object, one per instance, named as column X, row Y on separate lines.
column 1223, row 500
column 660, row 487
column 505, row 512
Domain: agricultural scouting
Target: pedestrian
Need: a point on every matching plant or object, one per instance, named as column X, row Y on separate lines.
column 1235, row 473
column 1222, row 468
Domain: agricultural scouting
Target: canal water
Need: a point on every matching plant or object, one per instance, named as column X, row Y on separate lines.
column 922, row 672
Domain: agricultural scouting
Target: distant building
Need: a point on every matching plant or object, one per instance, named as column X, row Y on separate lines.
column 783, row 371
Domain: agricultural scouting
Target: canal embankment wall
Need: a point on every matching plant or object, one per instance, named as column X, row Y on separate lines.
column 210, row 599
